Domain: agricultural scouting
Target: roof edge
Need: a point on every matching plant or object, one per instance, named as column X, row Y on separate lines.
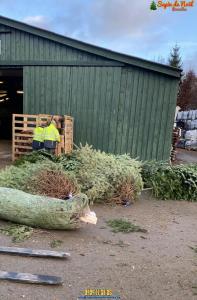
column 97, row 50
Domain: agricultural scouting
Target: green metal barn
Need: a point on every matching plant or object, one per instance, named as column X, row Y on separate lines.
column 119, row 103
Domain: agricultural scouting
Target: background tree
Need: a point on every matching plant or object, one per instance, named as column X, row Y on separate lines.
column 175, row 59
column 187, row 97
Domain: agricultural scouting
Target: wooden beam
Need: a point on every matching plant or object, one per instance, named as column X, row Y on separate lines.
column 31, row 278
column 61, row 63
column 32, row 252
column 5, row 32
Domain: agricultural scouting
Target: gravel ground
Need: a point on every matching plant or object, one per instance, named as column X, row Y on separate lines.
column 157, row 265
column 186, row 156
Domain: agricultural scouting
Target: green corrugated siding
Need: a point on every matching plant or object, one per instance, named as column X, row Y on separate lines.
column 115, row 109
column 21, row 45
column 77, row 91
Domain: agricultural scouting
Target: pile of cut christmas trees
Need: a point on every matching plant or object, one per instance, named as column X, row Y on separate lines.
column 42, row 190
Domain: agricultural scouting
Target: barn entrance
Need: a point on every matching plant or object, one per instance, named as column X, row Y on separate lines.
column 11, row 101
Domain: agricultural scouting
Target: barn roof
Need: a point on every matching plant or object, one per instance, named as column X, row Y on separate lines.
column 96, row 50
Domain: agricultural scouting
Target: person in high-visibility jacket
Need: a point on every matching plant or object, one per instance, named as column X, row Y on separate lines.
column 51, row 136
column 38, row 138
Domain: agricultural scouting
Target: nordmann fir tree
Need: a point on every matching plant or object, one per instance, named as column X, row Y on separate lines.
column 175, row 59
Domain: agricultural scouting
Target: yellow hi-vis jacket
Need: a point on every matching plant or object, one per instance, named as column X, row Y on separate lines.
column 38, row 134
column 51, row 133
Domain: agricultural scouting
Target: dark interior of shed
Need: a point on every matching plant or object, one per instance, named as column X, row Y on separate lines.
column 11, row 99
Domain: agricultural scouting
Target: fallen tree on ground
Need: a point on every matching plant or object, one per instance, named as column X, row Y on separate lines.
column 41, row 211
column 171, row 182
column 101, row 176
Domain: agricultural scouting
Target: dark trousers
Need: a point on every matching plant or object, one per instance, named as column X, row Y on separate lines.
column 50, row 146
column 36, row 145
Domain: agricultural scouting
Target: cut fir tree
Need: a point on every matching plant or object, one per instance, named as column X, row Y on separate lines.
column 153, row 6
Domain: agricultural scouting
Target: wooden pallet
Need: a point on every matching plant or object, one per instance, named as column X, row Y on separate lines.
column 22, row 133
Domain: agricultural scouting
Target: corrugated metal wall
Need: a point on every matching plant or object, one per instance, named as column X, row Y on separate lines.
column 115, row 109
column 20, row 45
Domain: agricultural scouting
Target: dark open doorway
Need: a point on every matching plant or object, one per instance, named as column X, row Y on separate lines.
column 11, row 99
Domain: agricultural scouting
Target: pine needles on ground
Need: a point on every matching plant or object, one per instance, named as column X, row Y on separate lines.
column 194, row 248
column 56, row 243
column 125, row 226
column 19, row 233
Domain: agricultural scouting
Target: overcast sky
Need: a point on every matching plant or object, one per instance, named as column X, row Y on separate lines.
column 127, row 26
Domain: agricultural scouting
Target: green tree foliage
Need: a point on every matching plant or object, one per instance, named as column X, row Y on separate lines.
column 175, row 59
column 187, row 97
column 153, row 5
column 101, row 176
column 171, row 182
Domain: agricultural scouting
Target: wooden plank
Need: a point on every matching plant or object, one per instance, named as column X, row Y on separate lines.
column 126, row 107
column 23, row 144
column 161, row 127
column 13, row 137
column 31, row 278
column 136, row 122
column 132, row 112
column 33, row 252
column 114, row 110
column 68, row 134
column 22, row 147
column 102, row 111
column 26, row 128
column 62, row 63
column 20, row 152
column 23, row 135
column 96, row 107
column 122, row 114
column 25, row 115
column 21, row 141
column 157, row 117
column 152, row 117
column 25, row 122
column 141, row 139
column 108, row 106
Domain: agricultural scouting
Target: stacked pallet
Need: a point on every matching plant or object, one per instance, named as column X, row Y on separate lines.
column 175, row 139
column 22, row 133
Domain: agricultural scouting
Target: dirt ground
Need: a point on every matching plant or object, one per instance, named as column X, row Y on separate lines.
column 186, row 156
column 137, row 266
column 158, row 265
